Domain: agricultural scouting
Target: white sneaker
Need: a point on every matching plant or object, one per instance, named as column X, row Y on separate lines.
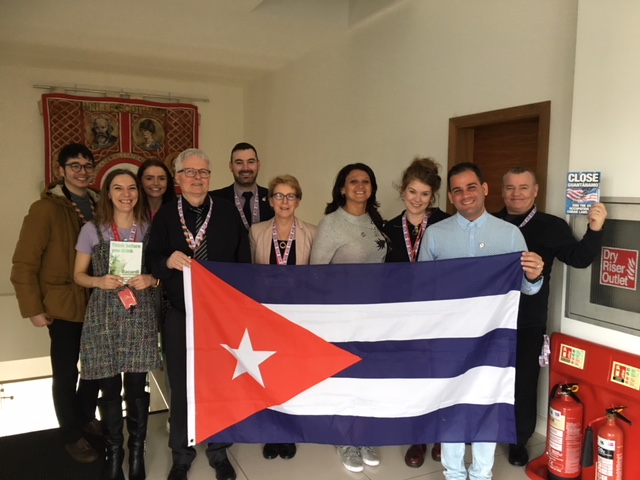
column 350, row 457
column 369, row 456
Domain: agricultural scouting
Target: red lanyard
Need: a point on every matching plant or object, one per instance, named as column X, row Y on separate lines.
column 412, row 250
column 132, row 233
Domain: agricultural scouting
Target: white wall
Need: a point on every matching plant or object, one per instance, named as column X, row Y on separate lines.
column 382, row 95
column 22, row 161
column 385, row 93
column 605, row 134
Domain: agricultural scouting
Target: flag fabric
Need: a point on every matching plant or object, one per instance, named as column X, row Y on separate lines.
column 583, row 195
column 375, row 354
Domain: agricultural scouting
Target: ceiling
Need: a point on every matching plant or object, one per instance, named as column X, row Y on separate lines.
column 221, row 40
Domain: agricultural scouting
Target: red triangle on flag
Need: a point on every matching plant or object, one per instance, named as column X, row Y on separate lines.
column 222, row 316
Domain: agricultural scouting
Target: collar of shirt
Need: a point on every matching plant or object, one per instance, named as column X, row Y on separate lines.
column 240, row 192
column 478, row 222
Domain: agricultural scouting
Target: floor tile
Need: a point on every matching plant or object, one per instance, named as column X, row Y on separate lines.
column 314, row 462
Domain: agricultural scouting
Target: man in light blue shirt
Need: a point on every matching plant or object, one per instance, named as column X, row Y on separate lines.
column 472, row 232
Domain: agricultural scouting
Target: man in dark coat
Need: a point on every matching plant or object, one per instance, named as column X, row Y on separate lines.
column 251, row 200
column 551, row 238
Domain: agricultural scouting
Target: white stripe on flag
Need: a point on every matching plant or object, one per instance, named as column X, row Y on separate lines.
column 189, row 326
column 405, row 321
column 398, row 398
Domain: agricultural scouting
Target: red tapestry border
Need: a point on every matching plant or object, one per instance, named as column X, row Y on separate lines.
column 119, row 132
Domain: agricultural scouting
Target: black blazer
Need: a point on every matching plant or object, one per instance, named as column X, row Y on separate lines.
column 393, row 230
column 266, row 212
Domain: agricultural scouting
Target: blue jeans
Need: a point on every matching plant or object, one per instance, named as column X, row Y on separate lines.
column 480, row 468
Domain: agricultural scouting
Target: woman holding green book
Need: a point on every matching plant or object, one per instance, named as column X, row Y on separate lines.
column 120, row 329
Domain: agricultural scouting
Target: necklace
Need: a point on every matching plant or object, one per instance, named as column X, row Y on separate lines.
column 194, row 242
column 116, row 234
column 83, row 219
column 281, row 259
column 418, row 232
column 254, row 212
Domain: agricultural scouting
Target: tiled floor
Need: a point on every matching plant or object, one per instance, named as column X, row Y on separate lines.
column 312, row 462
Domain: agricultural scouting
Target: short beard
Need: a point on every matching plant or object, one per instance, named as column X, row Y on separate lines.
column 240, row 181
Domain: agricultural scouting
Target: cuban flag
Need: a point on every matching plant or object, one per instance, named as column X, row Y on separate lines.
column 376, row 354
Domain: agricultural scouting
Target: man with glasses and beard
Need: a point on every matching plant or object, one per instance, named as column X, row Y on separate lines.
column 42, row 276
column 251, row 200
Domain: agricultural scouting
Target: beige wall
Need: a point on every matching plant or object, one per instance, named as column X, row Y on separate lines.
column 605, row 134
column 22, row 161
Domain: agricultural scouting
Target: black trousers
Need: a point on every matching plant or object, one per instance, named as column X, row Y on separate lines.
column 176, row 351
column 74, row 401
column 529, row 345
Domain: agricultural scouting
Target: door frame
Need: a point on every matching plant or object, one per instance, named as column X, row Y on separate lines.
column 462, row 132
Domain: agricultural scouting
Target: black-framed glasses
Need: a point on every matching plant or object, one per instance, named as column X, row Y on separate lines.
column 76, row 167
column 192, row 172
column 281, row 196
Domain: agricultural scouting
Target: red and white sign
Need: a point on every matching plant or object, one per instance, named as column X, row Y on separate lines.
column 619, row 268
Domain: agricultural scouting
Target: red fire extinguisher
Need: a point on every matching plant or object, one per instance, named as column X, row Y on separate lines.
column 610, row 442
column 564, row 432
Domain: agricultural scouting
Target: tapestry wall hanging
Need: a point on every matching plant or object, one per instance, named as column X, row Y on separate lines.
column 121, row 133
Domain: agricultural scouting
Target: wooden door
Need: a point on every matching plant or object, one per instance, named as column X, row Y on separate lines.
column 500, row 140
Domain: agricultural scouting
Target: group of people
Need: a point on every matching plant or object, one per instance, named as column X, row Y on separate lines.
column 62, row 280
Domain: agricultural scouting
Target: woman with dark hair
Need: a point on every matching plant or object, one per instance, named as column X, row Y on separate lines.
column 284, row 240
column 419, row 184
column 351, row 232
column 148, row 129
column 120, row 330
column 157, row 186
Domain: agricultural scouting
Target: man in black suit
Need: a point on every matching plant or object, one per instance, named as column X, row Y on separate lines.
column 251, row 200
column 194, row 226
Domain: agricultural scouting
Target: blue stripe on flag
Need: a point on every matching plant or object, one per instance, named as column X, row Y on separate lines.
column 437, row 358
column 459, row 423
column 372, row 283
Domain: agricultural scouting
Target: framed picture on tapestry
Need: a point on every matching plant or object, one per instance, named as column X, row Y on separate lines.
column 121, row 133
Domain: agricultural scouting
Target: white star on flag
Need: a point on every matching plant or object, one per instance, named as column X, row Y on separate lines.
column 249, row 360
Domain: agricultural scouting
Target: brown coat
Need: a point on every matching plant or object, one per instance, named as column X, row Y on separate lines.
column 261, row 239
column 43, row 261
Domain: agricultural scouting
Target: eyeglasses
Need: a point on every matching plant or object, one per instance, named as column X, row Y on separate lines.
column 77, row 167
column 281, row 196
column 192, row 172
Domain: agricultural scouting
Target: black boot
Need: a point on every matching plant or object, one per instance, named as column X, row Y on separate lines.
column 111, row 413
column 137, row 416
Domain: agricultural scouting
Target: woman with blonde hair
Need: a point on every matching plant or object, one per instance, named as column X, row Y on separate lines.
column 283, row 240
